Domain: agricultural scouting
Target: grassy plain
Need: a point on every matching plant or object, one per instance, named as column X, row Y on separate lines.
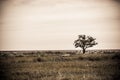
column 56, row 65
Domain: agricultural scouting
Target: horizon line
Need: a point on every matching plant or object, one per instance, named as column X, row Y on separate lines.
column 56, row 49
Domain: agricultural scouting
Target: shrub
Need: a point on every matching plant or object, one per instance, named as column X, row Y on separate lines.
column 20, row 55
column 94, row 57
column 65, row 79
column 7, row 55
column 116, row 56
column 39, row 59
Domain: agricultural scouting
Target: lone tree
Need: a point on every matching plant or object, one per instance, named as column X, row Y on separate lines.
column 84, row 42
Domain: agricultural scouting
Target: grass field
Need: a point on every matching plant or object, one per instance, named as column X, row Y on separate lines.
column 60, row 65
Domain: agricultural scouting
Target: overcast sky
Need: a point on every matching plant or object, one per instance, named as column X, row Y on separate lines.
column 55, row 24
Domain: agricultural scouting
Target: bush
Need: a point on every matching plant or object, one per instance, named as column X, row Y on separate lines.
column 20, row 55
column 39, row 59
column 7, row 55
column 116, row 56
column 94, row 57
column 65, row 79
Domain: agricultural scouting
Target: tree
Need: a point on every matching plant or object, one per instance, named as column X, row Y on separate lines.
column 84, row 42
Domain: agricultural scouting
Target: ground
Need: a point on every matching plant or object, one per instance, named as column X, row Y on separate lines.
column 53, row 65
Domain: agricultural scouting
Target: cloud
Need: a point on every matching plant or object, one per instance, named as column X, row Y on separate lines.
column 57, row 22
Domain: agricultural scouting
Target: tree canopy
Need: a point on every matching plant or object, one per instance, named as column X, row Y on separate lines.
column 85, row 42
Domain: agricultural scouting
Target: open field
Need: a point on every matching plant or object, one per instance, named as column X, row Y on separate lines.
column 60, row 65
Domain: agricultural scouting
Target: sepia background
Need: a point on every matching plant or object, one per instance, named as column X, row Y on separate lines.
column 55, row 24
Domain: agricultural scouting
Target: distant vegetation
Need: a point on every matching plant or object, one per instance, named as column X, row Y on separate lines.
column 60, row 65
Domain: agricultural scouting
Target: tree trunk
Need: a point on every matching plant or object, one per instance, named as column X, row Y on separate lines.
column 83, row 50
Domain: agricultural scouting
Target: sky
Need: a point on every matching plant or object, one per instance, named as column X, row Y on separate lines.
column 55, row 24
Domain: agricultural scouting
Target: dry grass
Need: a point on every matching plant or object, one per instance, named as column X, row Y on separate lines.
column 52, row 66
